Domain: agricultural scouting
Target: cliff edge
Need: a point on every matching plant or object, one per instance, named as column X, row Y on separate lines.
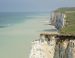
column 59, row 44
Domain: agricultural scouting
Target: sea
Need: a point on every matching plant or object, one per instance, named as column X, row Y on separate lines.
column 18, row 30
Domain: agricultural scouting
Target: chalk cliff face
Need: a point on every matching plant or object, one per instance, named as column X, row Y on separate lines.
column 57, row 19
column 43, row 48
column 52, row 48
column 65, row 49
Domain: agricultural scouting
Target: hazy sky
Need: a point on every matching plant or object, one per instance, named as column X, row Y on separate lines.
column 33, row 5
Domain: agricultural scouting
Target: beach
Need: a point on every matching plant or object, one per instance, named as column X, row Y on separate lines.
column 15, row 41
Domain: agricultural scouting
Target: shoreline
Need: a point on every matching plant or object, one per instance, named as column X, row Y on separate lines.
column 14, row 39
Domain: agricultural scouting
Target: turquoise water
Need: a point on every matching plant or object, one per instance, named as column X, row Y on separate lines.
column 17, row 30
column 9, row 18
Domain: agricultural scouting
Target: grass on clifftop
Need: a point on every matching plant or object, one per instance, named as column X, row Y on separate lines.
column 64, row 9
column 69, row 27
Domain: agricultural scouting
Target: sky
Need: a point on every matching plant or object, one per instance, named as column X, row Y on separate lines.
column 33, row 5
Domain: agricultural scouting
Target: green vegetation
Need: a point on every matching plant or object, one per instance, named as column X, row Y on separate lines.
column 69, row 27
column 64, row 9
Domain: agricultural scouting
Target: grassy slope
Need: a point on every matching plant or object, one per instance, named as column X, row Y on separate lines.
column 69, row 27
